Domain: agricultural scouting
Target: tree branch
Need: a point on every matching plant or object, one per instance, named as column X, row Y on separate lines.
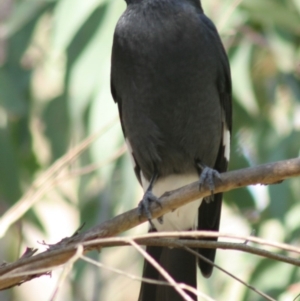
column 28, row 267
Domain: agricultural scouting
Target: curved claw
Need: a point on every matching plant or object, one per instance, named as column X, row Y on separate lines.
column 145, row 203
column 207, row 178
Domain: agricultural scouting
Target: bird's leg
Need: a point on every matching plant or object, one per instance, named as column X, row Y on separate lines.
column 207, row 178
column 148, row 198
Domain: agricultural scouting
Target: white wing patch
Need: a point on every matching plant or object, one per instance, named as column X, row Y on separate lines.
column 226, row 141
column 183, row 218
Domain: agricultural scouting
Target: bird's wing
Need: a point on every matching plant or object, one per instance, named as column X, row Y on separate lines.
column 118, row 100
column 209, row 212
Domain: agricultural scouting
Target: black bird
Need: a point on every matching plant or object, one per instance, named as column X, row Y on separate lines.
column 171, row 80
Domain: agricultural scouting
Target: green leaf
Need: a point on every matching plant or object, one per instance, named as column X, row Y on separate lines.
column 91, row 70
column 24, row 12
column 242, row 84
column 56, row 122
column 9, row 174
column 270, row 12
column 69, row 17
column 10, row 97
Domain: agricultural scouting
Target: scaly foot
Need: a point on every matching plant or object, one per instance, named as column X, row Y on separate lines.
column 207, row 178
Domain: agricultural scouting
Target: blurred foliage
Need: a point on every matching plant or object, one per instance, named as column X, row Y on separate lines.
column 54, row 92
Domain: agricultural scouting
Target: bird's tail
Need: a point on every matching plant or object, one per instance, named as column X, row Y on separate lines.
column 209, row 219
column 179, row 263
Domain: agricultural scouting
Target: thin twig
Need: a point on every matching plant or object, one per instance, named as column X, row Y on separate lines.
column 161, row 270
column 120, row 272
column 66, row 271
column 172, row 243
column 201, row 234
column 229, row 274
column 165, row 240
column 41, row 185
column 89, row 168
column 143, row 279
column 228, row 14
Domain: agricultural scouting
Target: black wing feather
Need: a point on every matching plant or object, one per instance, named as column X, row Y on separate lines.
column 118, row 100
column 209, row 213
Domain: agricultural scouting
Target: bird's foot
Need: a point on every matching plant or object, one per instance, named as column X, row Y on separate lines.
column 144, row 206
column 207, row 178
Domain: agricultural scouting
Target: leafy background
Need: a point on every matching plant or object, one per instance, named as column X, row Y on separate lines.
column 54, row 92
